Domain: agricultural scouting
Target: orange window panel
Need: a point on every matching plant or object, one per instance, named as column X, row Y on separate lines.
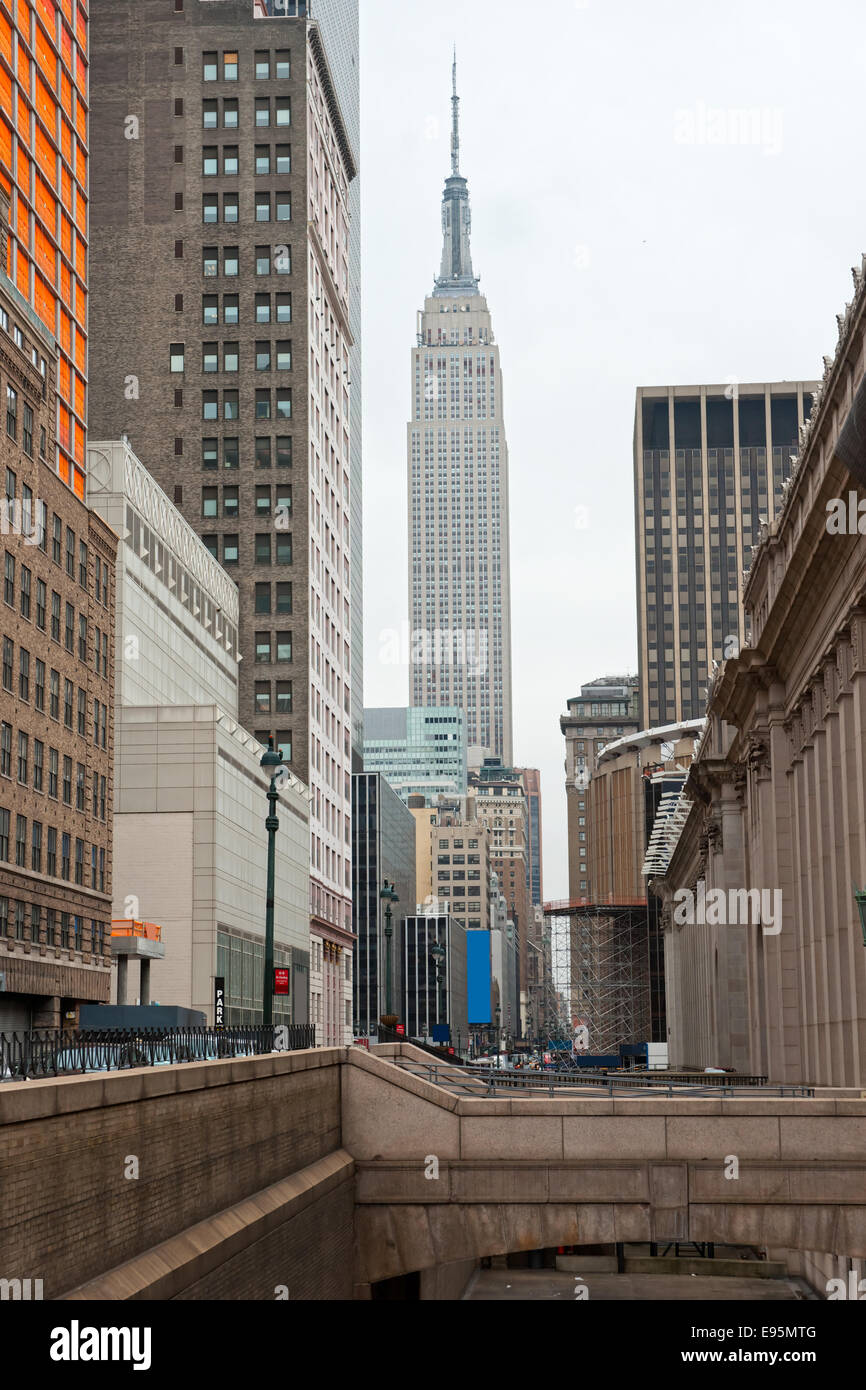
column 45, row 203
column 81, row 164
column 5, row 38
column 81, row 259
column 44, row 303
column 5, row 90
column 23, row 172
column 65, row 283
column 65, row 188
column 46, row 157
column 66, row 140
column 23, row 119
column 45, row 104
column 65, row 93
column 65, row 235
column 64, row 426
column 66, row 45
column 80, row 109
column 81, row 28
column 78, row 481
column 81, row 393
column 23, row 280
column 80, row 351
column 24, row 68
column 45, row 256
column 5, row 143
column 46, row 58
column 63, row 377
column 80, row 303
column 22, row 223
column 46, row 11
column 81, row 213
column 65, row 331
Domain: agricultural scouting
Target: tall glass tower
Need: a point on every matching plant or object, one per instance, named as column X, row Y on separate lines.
column 459, row 572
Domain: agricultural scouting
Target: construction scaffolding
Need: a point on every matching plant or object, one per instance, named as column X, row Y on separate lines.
column 601, row 967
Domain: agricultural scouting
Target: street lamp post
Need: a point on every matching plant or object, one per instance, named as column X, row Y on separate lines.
column 498, row 1034
column 271, row 761
column 388, row 896
column 437, row 953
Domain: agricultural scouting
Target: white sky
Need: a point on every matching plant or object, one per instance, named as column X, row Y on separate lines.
column 613, row 254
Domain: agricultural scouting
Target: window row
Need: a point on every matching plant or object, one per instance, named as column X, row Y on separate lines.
column 210, row 502
column 63, row 929
column 265, row 553
column 26, row 517
column 48, row 775
column 33, row 604
column 273, row 647
column 268, row 703
column 227, row 261
column 26, row 417
column 276, row 64
column 268, row 405
column 267, row 453
column 282, row 742
column 269, row 207
column 269, row 356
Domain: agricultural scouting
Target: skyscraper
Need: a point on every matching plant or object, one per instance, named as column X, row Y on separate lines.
column 709, row 464
column 221, row 315
column 459, row 573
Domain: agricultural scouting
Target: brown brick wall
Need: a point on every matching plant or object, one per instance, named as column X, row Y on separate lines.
column 311, row 1255
column 205, row 1135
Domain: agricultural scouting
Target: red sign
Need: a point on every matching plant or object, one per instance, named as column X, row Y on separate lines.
column 281, row 981
column 363, row 1042
column 401, row 1029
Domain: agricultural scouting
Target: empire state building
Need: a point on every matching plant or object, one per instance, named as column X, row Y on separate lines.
column 459, row 571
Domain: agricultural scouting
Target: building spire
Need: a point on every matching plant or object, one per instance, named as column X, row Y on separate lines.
column 455, row 120
column 456, row 275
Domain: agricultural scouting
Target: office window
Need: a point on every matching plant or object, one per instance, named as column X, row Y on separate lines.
column 263, row 501
column 27, row 431
column 230, row 113
column 230, row 357
column 82, row 564
column 210, row 454
column 231, row 263
column 263, row 308
column 263, row 159
column 263, row 405
column 283, row 204
column 263, row 453
column 24, row 675
column 25, row 591
column 176, row 357
column 263, row 357
column 284, row 697
column 9, row 580
column 231, row 501
column 284, row 744
column 212, row 545
column 230, row 159
column 284, row 598
column 67, row 781
column 282, row 65
column 230, row 309
column 230, row 67
column 209, row 67
column 210, row 405
column 210, row 265
column 284, row 159
column 263, row 647
column 263, row 697
column 284, row 646
column 263, row 598
column 54, row 694
column 284, row 308
column 210, row 114
column 231, row 207
column 23, row 757
column 210, row 357
column 210, row 213
column 52, row 773
column 263, row 260
column 210, row 162
column 284, row 356
column 11, row 412
column 284, row 451
column 36, row 846
column 82, row 712
column 263, row 65
column 38, row 763
column 70, row 628
column 284, row 403
column 79, row 787
column 231, row 408
column 39, row 686
column 21, row 849
column 263, row 548
column 263, row 112
column 284, row 549
column 209, row 501
column 263, row 207
column 230, row 550
column 210, row 309
column 231, row 453
column 283, row 109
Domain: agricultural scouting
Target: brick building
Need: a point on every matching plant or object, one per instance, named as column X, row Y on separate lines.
column 56, row 727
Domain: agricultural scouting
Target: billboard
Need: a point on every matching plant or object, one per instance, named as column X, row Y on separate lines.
column 478, row 977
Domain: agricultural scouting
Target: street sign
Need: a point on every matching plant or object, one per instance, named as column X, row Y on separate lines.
column 281, row 981
column 401, row 1029
column 219, row 1001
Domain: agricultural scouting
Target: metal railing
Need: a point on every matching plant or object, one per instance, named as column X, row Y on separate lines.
column 390, row 1035
column 57, row 1052
column 489, row 1081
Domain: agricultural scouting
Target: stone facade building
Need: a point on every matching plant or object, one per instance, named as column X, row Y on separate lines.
column 776, row 798
column 603, row 712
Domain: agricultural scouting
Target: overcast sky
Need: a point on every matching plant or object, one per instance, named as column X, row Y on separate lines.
column 628, row 230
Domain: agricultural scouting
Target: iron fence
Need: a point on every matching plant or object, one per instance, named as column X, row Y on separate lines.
column 58, row 1052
